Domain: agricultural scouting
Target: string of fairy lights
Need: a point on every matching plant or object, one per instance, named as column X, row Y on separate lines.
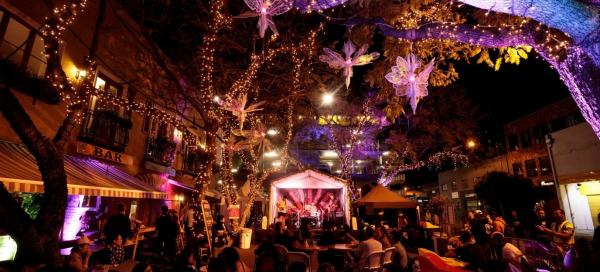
column 395, row 163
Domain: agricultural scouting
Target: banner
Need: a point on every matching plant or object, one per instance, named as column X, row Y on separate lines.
column 233, row 211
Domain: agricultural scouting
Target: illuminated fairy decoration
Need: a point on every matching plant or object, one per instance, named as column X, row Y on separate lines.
column 407, row 81
column 256, row 137
column 237, row 106
column 352, row 58
column 264, row 10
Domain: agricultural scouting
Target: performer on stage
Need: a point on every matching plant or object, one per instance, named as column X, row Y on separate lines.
column 282, row 209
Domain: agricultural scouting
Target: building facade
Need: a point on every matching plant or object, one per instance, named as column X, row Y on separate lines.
column 576, row 155
column 116, row 154
column 527, row 154
column 457, row 188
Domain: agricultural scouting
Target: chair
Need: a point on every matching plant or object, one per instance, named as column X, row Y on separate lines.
column 388, row 255
column 293, row 256
column 280, row 250
column 374, row 261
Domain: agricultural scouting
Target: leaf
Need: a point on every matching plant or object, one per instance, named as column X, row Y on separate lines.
column 522, row 53
column 474, row 52
column 498, row 63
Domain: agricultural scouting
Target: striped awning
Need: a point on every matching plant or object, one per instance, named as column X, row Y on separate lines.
column 85, row 176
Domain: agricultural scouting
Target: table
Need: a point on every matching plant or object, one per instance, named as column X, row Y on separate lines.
column 345, row 247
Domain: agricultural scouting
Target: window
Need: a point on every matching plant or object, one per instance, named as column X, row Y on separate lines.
column 22, row 45
column 444, row 187
column 573, row 119
column 104, row 83
column 513, row 142
column 531, row 168
column 539, row 133
column 517, row 169
column 525, row 139
column 545, row 167
column 558, row 124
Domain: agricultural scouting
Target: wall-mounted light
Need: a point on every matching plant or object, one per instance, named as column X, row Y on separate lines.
column 80, row 74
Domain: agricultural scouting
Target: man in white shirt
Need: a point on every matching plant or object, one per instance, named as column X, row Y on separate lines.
column 366, row 247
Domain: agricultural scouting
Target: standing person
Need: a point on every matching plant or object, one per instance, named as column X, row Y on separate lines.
column 479, row 228
column 219, row 231
column 166, row 232
column 402, row 221
column 499, row 225
column 471, row 253
column 118, row 224
column 282, row 206
column 541, row 223
column 596, row 239
column 366, row 247
column 561, row 231
column 516, row 225
column 79, row 258
column 469, row 221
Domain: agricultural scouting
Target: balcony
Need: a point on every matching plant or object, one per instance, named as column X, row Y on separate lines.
column 160, row 150
column 105, row 129
column 193, row 160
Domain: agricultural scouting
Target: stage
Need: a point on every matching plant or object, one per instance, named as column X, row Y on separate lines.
column 310, row 194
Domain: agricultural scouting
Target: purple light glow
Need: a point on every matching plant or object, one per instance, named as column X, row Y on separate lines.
column 73, row 215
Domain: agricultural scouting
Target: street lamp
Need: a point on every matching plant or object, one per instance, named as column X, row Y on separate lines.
column 272, row 132
column 471, row 144
column 327, row 98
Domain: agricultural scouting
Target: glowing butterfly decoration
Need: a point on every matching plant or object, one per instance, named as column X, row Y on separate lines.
column 407, row 81
column 264, row 9
column 237, row 106
column 352, row 58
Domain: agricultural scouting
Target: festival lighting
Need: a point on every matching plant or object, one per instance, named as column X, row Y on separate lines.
column 327, row 99
column 271, row 154
column 329, row 154
column 471, row 144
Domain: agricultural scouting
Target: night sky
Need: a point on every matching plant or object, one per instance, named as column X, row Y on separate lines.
column 514, row 90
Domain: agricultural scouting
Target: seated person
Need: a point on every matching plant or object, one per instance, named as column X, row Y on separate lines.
column 366, row 247
column 471, row 253
column 400, row 257
column 281, row 236
column 381, row 236
column 116, row 252
column 79, row 258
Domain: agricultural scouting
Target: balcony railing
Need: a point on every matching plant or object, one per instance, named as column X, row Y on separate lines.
column 105, row 129
column 160, row 150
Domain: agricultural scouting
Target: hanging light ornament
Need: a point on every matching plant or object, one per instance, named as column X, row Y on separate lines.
column 407, row 81
column 352, row 58
column 237, row 106
column 264, row 9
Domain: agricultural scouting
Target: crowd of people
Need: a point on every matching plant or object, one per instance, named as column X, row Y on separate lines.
column 483, row 246
column 485, row 243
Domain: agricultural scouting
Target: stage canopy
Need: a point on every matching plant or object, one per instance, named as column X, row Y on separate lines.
column 307, row 187
column 382, row 198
